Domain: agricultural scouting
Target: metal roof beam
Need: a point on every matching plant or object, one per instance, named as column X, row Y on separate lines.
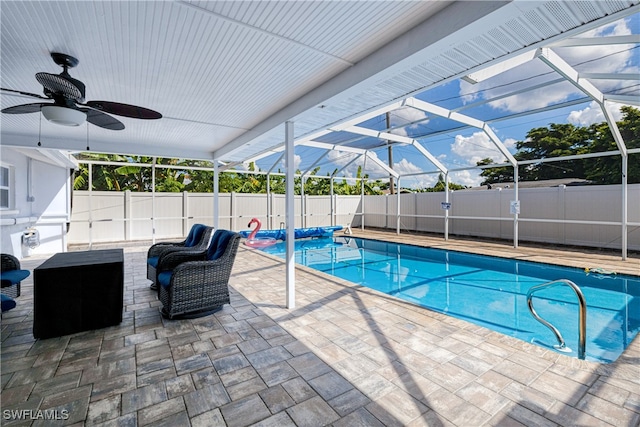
column 623, row 99
column 322, row 156
column 327, row 146
column 380, row 163
column 443, row 112
column 558, row 64
column 371, row 114
column 378, row 134
column 597, row 41
column 398, row 138
column 442, row 168
column 500, row 67
column 610, row 76
column 347, row 165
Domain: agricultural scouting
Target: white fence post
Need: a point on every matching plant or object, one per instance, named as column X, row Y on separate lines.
column 128, row 215
column 185, row 213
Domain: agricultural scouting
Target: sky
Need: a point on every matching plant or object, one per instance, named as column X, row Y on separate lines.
column 459, row 147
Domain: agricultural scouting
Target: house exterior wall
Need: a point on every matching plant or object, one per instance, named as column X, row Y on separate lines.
column 41, row 199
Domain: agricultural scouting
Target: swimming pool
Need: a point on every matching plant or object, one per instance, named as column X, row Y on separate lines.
column 487, row 291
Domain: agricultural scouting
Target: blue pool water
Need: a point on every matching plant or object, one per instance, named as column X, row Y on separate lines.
column 487, row 291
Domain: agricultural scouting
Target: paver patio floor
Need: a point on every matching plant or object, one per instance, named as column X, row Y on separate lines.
column 344, row 356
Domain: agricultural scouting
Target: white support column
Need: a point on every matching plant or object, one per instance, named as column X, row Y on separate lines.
column 290, row 216
column 517, row 200
column 90, row 210
column 153, row 201
column 624, row 242
column 333, row 201
column 185, row 213
column 216, row 195
column 446, row 211
column 362, row 198
column 128, row 215
column 269, row 208
column 364, row 167
column 398, row 207
column 303, row 210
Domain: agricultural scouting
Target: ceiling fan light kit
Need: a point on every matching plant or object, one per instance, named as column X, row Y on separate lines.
column 63, row 116
column 69, row 107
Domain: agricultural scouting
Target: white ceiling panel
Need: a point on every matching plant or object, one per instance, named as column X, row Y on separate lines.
column 227, row 74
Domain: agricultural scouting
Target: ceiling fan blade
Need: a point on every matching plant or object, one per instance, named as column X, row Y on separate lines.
column 124, row 110
column 35, row 95
column 24, row 108
column 102, row 120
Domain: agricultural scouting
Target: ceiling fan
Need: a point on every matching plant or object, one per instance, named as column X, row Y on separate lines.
column 69, row 107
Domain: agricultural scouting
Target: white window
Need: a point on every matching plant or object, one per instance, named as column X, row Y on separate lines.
column 5, row 187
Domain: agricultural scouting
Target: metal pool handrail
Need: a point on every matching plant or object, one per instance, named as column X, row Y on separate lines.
column 582, row 316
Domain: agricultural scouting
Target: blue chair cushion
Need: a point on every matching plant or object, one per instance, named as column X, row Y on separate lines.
column 13, row 277
column 164, row 278
column 219, row 244
column 195, row 235
column 153, row 261
column 7, row 303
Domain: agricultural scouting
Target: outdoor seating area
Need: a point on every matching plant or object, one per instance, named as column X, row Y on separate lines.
column 344, row 356
column 195, row 284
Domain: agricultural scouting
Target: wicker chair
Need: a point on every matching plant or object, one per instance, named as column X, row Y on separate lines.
column 194, row 284
column 11, row 275
column 197, row 240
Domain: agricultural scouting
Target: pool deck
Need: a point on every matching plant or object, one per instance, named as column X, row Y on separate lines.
column 344, row 356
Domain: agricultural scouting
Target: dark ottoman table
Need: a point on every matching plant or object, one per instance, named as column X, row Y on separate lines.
column 78, row 291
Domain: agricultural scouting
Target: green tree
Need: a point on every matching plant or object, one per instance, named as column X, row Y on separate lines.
column 608, row 169
column 559, row 140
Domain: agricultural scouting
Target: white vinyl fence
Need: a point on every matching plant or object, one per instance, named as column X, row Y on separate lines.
column 582, row 216
column 107, row 216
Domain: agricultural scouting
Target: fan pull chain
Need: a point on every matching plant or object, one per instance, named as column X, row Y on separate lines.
column 88, row 149
column 40, row 128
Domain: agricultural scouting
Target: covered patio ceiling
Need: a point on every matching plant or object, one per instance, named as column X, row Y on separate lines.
column 227, row 75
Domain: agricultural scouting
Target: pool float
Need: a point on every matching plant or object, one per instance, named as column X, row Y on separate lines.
column 298, row 233
column 258, row 242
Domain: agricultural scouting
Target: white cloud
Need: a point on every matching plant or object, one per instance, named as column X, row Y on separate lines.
column 296, row 162
column 470, row 178
column 341, row 158
column 405, row 115
column 404, row 166
column 476, row 147
column 591, row 114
